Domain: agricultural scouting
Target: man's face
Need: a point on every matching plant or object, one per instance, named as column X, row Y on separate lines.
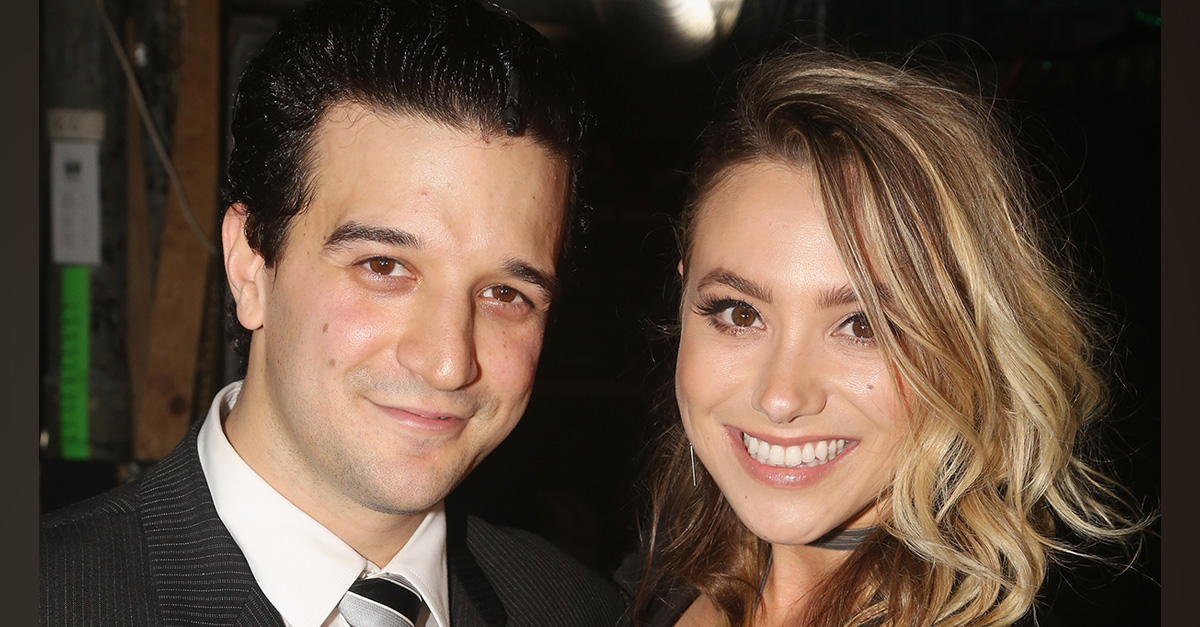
column 397, row 337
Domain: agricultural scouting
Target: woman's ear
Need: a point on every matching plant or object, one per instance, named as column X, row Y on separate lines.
column 244, row 268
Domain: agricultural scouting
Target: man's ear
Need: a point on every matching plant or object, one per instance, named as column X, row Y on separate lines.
column 245, row 269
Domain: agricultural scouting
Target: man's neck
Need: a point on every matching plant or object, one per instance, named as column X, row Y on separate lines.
column 377, row 536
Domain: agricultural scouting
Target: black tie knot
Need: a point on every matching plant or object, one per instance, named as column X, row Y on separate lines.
column 385, row 600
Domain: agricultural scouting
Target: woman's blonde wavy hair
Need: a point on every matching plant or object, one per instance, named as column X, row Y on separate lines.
column 930, row 208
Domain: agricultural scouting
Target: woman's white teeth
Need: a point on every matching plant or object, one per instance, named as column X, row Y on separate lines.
column 809, row 454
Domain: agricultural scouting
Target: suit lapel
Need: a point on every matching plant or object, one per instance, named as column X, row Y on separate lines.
column 199, row 573
column 258, row 611
column 473, row 602
column 201, row 576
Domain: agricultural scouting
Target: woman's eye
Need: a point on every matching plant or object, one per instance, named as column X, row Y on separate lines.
column 728, row 312
column 742, row 315
column 503, row 293
column 859, row 326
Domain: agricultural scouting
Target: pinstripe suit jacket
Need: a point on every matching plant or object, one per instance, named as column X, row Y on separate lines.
column 154, row 552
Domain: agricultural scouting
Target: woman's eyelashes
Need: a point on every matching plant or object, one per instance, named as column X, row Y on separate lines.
column 732, row 315
column 729, row 314
column 856, row 327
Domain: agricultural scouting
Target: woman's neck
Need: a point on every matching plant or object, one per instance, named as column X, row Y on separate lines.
column 794, row 573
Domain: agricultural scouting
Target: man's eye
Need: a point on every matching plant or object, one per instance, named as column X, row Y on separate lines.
column 503, row 293
column 383, row 266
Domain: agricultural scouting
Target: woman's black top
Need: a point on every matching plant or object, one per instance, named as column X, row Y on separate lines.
column 667, row 605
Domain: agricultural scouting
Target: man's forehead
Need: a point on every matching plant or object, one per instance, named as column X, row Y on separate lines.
column 344, row 125
column 354, row 115
column 392, row 170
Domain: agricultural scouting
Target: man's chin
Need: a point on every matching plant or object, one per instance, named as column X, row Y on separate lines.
column 410, row 500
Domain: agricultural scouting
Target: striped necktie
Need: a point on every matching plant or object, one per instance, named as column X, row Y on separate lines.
column 384, row 600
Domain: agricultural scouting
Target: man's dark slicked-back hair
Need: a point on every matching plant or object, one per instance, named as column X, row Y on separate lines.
column 453, row 62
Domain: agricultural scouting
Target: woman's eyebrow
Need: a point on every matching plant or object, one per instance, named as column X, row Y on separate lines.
column 837, row 297
column 735, row 281
column 845, row 295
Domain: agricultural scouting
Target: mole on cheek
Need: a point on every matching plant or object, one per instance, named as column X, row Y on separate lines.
column 325, row 329
column 332, row 363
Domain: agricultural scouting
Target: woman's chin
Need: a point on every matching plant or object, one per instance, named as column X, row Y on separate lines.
column 787, row 522
column 782, row 525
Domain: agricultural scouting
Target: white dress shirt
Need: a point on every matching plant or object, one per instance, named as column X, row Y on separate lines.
column 302, row 567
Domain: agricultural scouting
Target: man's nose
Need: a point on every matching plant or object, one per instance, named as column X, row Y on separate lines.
column 438, row 343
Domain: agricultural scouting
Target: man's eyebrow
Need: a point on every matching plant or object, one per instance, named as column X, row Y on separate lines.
column 737, row 282
column 352, row 232
column 523, row 271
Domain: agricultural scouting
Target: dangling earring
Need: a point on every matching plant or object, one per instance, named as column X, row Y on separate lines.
column 692, row 452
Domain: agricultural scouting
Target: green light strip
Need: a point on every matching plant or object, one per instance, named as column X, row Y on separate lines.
column 1148, row 18
column 73, row 376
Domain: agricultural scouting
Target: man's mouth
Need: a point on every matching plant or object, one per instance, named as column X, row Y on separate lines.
column 807, row 455
column 425, row 419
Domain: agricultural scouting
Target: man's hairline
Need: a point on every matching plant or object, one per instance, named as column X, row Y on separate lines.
column 307, row 164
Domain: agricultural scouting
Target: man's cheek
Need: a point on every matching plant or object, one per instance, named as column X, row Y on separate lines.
column 513, row 358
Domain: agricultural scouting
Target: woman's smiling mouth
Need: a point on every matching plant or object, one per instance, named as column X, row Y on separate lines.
column 807, row 455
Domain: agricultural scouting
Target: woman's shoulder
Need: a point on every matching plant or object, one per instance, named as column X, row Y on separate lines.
column 662, row 607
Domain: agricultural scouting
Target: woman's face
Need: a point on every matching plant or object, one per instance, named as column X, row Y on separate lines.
column 784, row 393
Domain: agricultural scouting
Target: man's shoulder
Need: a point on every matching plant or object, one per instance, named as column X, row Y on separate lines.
column 88, row 523
column 101, row 532
column 92, row 563
column 536, row 579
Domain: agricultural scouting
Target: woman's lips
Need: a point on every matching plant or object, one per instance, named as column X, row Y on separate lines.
column 789, row 463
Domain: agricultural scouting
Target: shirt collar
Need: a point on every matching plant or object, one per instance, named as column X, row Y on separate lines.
column 422, row 562
column 302, row 567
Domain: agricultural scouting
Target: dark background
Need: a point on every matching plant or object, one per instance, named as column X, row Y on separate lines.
column 1081, row 77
